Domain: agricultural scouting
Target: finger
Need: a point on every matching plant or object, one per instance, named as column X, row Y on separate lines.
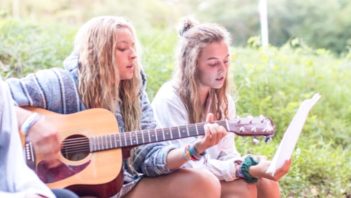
column 208, row 132
column 210, row 117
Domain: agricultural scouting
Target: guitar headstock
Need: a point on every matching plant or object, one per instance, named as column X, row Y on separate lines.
column 252, row 126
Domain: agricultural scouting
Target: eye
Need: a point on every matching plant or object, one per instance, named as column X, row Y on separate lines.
column 121, row 49
column 213, row 63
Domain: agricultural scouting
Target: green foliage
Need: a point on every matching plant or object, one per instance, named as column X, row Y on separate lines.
column 271, row 81
column 158, row 57
column 25, row 47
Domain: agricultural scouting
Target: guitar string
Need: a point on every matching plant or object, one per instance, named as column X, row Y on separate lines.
column 75, row 145
column 158, row 132
column 105, row 142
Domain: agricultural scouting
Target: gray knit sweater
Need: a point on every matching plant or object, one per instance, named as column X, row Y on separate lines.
column 56, row 90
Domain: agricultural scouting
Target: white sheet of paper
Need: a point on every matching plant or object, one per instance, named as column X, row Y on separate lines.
column 291, row 135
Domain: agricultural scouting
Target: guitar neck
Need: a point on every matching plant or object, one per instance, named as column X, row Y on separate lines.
column 134, row 138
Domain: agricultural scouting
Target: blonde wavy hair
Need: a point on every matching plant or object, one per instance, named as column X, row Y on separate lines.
column 193, row 38
column 98, row 82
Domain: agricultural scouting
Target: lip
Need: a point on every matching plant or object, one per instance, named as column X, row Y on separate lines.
column 220, row 78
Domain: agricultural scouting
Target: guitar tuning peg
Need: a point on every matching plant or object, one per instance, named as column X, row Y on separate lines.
column 262, row 118
column 253, row 129
column 255, row 140
column 250, row 118
column 267, row 139
column 241, row 129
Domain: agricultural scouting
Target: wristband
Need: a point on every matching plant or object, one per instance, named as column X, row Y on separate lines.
column 244, row 169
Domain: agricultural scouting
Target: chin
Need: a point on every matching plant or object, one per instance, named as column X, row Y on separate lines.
column 218, row 85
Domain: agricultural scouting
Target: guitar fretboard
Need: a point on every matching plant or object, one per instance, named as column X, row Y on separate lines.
column 119, row 140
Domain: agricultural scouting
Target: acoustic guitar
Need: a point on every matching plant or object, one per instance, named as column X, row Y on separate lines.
column 91, row 148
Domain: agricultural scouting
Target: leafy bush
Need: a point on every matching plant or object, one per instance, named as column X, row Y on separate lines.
column 25, row 46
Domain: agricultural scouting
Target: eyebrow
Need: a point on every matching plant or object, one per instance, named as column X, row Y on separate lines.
column 212, row 58
column 125, row 42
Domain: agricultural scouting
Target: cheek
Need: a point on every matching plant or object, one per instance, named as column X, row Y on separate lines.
column 207, row 76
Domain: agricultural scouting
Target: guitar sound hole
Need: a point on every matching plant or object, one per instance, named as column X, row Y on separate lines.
column 75, row 147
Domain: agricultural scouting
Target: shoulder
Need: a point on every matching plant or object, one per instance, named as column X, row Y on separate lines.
column 167, row 93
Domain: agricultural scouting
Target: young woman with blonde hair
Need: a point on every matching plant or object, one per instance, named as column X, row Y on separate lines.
column 199, row 88
column 104, row 71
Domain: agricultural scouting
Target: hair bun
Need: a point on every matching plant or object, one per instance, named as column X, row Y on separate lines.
column 186, row 24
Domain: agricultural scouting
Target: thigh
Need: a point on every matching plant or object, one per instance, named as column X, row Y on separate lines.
column 268, row 188
column 238, row 188
column 182, row 183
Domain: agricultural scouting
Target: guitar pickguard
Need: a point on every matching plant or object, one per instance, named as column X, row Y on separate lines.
column 50, row 175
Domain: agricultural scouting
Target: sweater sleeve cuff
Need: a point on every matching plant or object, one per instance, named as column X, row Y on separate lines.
column 164, row 153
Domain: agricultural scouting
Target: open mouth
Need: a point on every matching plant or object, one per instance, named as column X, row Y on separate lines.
column 220, row 78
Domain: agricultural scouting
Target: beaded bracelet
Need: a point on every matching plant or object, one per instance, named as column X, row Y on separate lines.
column 244, row 169
column 29, row 123
column 186, row 153
column 191, row 153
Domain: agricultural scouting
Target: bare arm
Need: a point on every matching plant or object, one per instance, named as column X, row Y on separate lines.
column 260, row 170
column 213, row 134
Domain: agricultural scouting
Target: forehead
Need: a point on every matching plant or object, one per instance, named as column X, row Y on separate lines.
column 215, row 49
column 124, row 34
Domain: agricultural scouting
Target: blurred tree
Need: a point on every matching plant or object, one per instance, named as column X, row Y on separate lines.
column 323, row 24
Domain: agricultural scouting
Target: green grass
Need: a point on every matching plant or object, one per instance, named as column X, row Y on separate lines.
column 270, row 81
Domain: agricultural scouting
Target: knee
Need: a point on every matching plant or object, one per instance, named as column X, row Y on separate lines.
column 202, row 183
column 238, row 188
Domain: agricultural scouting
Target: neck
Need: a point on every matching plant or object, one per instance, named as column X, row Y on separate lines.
column 203, row 94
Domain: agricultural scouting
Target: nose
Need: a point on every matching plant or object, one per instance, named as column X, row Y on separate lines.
column 132, row 54
column 223, row 66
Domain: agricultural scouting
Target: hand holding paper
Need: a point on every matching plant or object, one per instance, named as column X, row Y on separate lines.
column 291, row 135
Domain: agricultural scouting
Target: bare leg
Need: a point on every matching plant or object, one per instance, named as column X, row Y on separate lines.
column 184, row 183
column 238, row 188
column 268, row 188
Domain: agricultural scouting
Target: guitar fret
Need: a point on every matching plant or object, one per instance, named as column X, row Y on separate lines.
column 135, row 140
column 98, row 143
column 197, row 131
column 149, row 136
column 104, row 142
column 110, row 141
column 182, row 131
column 142, row 136
column 101, row 142
column 125, row 141
column 155, row 135
column 118, row 140
column 170, row 132
column 95, row 143
column 163, row 134
column 179, row 132
column 129, row 138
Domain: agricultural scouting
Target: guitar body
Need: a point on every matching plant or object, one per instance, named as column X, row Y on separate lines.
column 85, row 173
